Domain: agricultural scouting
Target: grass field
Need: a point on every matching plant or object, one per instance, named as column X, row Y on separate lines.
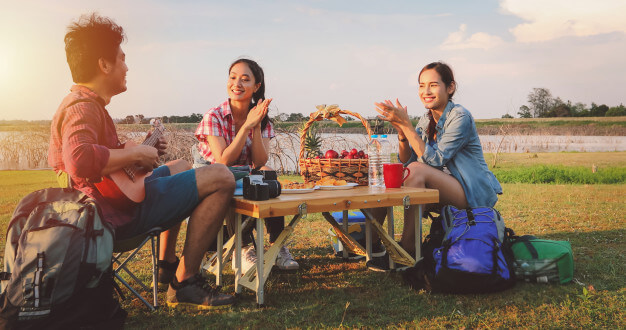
column 329, row 293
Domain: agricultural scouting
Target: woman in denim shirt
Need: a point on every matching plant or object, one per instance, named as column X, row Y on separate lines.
column 443, row 152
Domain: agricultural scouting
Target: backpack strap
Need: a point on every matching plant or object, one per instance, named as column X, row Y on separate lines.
column 37, row 287
column 470, row 216
column 495, row 267
column 526, row 240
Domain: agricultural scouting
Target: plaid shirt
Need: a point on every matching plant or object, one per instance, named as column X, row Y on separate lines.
column 219, row 122
column 82, row 133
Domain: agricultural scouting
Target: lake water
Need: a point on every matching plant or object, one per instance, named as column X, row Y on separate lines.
column 286, row 147
column 290, row 145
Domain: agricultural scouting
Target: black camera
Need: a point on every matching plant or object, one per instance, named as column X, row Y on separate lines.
column 261, row 185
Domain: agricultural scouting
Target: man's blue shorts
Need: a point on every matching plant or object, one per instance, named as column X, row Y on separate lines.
column 169, row 200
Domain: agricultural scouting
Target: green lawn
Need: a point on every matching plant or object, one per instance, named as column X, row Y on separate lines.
column 329, row 293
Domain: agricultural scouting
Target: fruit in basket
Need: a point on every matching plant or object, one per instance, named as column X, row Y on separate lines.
column 361, row 154
column 353, row 152
column 344, row 153
column 312, row 143
column 331, row 154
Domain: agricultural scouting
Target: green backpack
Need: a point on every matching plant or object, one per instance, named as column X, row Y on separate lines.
column 542, row 260
column 57, row 245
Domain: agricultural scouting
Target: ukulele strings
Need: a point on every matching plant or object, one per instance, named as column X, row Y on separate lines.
column 151, row 141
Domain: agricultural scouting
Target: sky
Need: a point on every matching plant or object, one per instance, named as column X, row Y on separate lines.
column 351, row 53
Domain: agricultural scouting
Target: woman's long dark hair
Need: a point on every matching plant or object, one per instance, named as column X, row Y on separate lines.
column 445, row 72
column 259, row 77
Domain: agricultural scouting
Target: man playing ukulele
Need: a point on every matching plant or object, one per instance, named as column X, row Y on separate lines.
column 84, row 145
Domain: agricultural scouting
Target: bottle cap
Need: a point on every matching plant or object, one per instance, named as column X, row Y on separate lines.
column 374, row 136
column 384, row 136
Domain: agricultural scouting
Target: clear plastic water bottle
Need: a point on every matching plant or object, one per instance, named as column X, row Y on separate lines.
column 385, row 150
column 385, row 157
column 375, row 173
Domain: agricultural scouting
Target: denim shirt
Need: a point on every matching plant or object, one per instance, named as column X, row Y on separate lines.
column 458, row 148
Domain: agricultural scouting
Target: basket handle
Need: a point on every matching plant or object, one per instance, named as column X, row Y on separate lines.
column 330, row 112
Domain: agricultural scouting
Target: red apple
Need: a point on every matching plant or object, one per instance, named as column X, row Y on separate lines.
column 353, row 151
column 331, row 154
column 349, row 156
column 344, row 153
column 361, row 154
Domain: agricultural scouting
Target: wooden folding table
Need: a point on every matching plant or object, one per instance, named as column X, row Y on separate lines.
column 319, row 201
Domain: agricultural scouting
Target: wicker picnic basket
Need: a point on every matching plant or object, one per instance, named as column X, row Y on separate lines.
column 351, row 170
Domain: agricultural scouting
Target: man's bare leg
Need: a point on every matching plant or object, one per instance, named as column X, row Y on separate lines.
column 216, row 185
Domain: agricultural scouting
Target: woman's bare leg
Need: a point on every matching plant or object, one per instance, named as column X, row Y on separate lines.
column 425, row 176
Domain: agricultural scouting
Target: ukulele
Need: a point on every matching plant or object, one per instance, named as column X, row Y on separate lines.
column 125, row 188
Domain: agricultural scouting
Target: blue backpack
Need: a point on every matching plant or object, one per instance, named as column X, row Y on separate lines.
column 467, row 251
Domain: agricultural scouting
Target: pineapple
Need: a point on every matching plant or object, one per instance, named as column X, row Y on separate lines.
column 312, row 143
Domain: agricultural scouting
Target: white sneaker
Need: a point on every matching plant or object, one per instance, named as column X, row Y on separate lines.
column 285, row 260
column 248, row 258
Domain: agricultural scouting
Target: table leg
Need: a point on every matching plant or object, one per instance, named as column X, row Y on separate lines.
column 260, row 251
column 395, row 251
column 418, row 233
column 391, row 232
column 368, row 238
column 345, row 224
column 347, row 240
column 238, row 253
column 255, row 278
column 220, row 258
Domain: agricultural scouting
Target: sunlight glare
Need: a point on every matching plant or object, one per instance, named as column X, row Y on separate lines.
column 4, row 69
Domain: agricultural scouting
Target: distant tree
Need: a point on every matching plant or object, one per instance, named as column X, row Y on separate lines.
column 619, row 110
column 506, row 115
column 138, row 119
column 128, row 120
column 296, row 116
column 541, row 102
column 195, row 118
column 598, row 110
column 577, row 109
column 561, row 110
column 349, row 118
column 524, row 112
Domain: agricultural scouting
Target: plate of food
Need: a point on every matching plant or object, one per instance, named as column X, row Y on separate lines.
column 348, row 185
column 293, row 187
column 328, row 183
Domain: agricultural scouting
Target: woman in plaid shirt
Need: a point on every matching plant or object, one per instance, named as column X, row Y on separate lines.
column 238, row 132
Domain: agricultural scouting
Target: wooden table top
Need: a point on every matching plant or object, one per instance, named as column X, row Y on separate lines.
column 333, row 200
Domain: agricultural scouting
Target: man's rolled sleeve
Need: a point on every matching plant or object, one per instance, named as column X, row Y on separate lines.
column 83, row 156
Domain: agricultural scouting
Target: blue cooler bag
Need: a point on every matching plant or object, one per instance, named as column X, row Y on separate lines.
column 473, row 256
column 356, row 229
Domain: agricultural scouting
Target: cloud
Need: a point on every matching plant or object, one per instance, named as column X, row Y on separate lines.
column 551, row 19
column 480, row 40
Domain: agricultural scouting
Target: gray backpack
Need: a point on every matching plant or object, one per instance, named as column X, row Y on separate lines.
column 57, row 245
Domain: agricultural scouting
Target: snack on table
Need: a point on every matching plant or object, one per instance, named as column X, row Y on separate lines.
column 288, row 184
column 330, row 181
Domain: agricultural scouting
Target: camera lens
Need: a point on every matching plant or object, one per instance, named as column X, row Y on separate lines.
column 274, row 188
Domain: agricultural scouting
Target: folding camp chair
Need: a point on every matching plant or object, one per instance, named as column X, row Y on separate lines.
column 120, row 263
